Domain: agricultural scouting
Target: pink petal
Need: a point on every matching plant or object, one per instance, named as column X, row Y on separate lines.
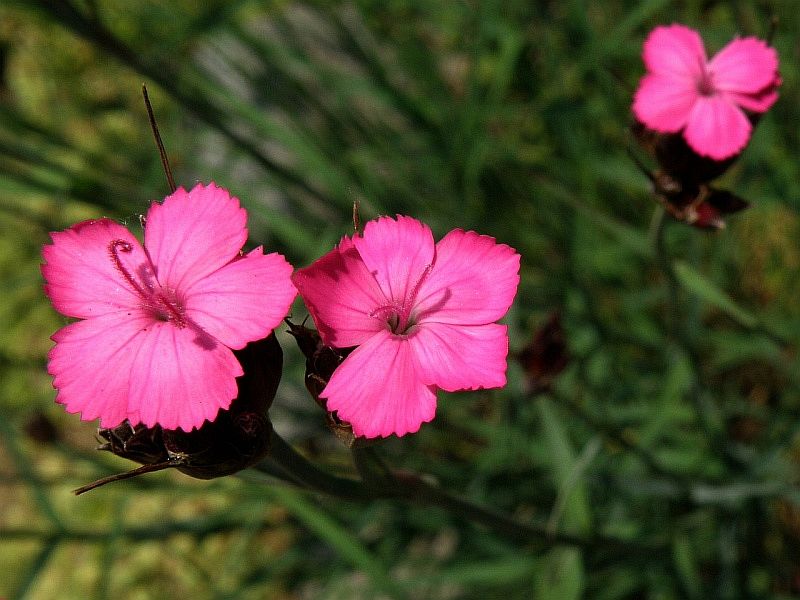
column 397, row 253
column 82, row 279
column 664, row 104
column 745, row 66
column 378, row 391
column 757, row 103
column 675, row 52
column 180, row 377
column 91, row 365
column 461, row 357
column 192, row 234
column 341, row 295
column 473, row 281
column 243, row 301
column 716, row 128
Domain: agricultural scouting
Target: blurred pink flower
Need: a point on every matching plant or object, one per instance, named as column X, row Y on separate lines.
column 422, row 315
column 682, row 90
column 159, row 321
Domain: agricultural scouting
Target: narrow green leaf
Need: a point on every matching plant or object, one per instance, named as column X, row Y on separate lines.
column 27, row 472
column 562, row 576
column 564, row 466
column 37, row 566
column 346, row 544
column 683, row 557
column 698, row 284
column 624, row 234
column 504, row 571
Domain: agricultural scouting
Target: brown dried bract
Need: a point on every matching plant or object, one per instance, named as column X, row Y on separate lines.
column 321, row 362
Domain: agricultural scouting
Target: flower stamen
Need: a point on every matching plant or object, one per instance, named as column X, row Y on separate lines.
column 153, row 297
column 114, row 248
column 398, row 315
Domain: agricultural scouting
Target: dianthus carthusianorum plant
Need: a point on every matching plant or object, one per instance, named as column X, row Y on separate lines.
column 413, row 288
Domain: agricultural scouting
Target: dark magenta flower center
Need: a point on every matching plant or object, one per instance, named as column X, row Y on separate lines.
column 399, row 315
column 705, row 85
column 164, row 304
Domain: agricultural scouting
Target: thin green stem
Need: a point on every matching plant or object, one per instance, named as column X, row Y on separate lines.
column 370, row 465
column 676, row 328
column 197, row 528
column 419, row 491
column 414, row 489
column 308, row 475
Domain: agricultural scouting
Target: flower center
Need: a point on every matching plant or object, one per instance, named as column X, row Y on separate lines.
column 398, row 315
column 162, row 303
column 705, row 85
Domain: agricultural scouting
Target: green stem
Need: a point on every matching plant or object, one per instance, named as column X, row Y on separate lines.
column 308, row 475
column 197, row 528
column 370, row 466
column 680, row 335
column 419, row 491
column 414, row 489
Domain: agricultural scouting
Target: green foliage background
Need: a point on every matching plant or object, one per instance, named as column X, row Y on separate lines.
column 676, row 419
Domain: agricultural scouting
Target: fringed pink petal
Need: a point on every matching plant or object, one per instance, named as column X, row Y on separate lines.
column 378, row 391
column 675, row 52
column 473, row 281
column 664, row 104
column 397, row 252
column 180, row 377
column 192, row 234
column 244, row 300
column 461, row 357
column 717, row 129
column 745, row 66
column 341, row 295
column 91, row 365
column 81, row 276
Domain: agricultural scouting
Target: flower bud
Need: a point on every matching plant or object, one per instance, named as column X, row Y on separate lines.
column 681, row 184
column 677, row 160
column 321, row 362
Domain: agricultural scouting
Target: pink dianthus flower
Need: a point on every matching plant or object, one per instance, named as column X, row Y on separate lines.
column 158, row 321
column 422, row 315
column 705, row 99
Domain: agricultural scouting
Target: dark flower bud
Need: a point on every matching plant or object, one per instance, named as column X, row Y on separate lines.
column 545, row 356
column 321, row 362
column 238, row 438
column 677, row 160
column 681, row 183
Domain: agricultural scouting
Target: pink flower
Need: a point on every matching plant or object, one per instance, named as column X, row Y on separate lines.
column 422, row 315
column 682, row 90
column 159, row 321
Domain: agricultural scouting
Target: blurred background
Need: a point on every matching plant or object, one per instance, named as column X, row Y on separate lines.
column 659, row 400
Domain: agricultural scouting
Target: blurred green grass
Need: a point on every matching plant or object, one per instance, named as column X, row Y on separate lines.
column 677, row 415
